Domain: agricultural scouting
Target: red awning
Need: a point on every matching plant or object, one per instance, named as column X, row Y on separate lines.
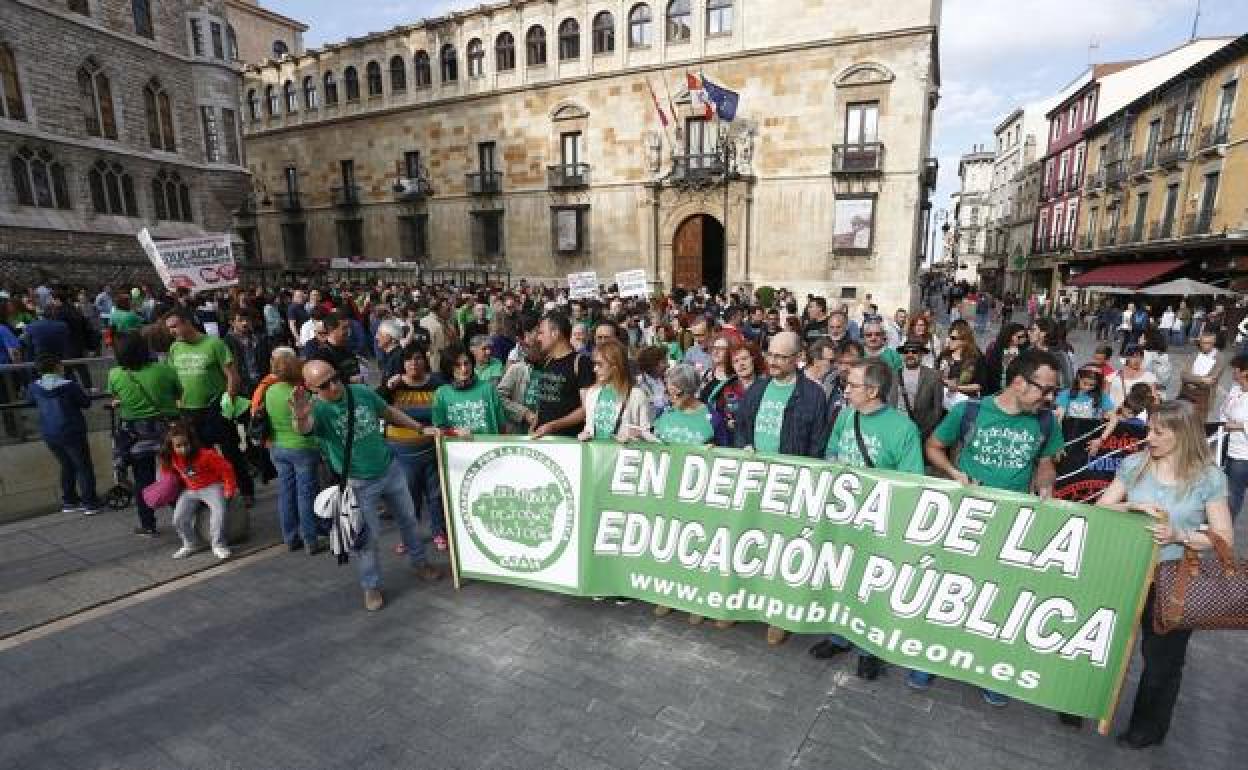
column 1129, row 276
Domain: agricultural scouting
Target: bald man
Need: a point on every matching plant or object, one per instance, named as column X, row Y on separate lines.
column 783, row 413
column 374, row 474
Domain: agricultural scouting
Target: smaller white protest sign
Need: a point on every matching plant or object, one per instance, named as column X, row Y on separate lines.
column 632, row 283
column 583, row 285
column 198, row 264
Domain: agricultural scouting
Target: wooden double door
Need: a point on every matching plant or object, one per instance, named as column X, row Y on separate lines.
column 698, row 254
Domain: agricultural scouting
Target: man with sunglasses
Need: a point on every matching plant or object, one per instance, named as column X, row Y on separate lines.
column 1006, row 441
column 875, row 344
column 375, row 476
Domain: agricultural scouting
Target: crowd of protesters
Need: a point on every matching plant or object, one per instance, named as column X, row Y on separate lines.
column 393, row 365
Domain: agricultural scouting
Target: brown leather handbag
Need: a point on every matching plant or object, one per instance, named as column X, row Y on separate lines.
column 1201, row 593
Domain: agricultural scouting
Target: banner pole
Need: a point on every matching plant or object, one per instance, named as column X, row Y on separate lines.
column 447, row 511
column 1107, row 722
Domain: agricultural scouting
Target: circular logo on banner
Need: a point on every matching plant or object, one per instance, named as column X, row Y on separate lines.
column 516, row 505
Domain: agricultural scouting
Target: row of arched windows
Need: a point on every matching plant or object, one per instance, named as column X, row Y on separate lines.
column 95, row 98
column 602, row 39
column 39, row 181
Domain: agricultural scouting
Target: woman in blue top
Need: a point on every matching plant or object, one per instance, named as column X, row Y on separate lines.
column 1086, row 398
column 1177, row 483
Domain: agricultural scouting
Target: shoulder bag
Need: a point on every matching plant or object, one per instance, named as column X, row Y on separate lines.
column 1201, row 592
column 862, row 445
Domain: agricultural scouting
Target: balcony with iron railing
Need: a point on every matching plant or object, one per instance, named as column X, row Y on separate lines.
column 1096, row 182
column 1074, row 183
column 860, row 158
column 1173, row 149
column 568, row 176
column 485, row 182
column 1138, row 167
column 1200, row 222
column 1109, row 237
column 248, row 206
column 697, row 167
column 1059, row 186
column 1087, row 241
column 289, row 201
column 1214, row 135
column 1134, row 232
column 1063, row 242
column 931, row 172
column 412, row 189
column 346, row 196
column 1115, row 172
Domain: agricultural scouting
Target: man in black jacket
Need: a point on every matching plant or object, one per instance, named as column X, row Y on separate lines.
column 251, row 351
column 783, row 413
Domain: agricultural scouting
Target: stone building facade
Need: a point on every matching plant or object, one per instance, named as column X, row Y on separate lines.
column 523, row 138
column 116, row 115
column 259, row 34
column 972, row 213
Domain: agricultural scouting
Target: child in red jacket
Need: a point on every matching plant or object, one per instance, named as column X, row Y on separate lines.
column 207, row 478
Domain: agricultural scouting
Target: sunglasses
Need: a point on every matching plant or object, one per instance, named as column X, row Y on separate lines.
column 327, row 384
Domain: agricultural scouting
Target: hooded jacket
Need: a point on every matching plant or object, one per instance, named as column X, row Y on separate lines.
column 60, row 403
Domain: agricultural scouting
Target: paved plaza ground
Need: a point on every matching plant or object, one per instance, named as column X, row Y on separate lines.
column 270, row 661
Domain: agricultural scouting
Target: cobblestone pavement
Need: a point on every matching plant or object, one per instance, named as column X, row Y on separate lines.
column 273, row 663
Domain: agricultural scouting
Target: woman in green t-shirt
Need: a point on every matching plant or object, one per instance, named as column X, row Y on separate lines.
column 468, row 405
column 614, row 408
column 146, row 394
column 295, row 456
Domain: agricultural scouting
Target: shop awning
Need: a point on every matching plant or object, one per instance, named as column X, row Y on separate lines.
column 1129, row 276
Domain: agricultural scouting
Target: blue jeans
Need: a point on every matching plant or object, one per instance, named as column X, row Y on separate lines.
column 296, row 491
column 421, row 471
column 369, row 493
column 1237, row 482
column 77, row 472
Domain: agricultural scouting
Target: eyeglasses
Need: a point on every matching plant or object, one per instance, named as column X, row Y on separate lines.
column 780, row 356
column 327, row 384
column 1046, row 390
column 955, row 337
column 849, row 385
column 873, row 334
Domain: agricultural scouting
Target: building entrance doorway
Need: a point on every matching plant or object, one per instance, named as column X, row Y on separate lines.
column 698, row 254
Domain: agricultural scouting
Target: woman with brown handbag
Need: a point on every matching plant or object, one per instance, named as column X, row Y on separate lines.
column 1175, row 481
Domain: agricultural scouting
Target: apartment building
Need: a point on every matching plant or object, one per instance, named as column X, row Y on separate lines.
column 1168, row 196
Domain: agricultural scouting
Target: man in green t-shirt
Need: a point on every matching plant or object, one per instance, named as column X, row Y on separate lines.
column 875, row 345
column 123, row 320
column 891, row 442
column 206, row 369
column 375, row 476
column 1010, row 444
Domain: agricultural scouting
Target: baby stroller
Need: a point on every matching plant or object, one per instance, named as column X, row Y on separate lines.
column 121, row 494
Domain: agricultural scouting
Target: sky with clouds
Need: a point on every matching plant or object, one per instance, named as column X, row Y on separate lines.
column 995, row 54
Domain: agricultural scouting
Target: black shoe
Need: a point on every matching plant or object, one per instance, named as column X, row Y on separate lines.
column 1071, row 720
column 294, row 545
column 869, row 667
column 1133, row 739
column 147, row 532
column 826, row 649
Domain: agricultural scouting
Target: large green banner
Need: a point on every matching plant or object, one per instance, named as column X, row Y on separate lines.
column 1034, row 599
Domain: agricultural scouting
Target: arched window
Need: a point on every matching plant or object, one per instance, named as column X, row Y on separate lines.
column 231, row 42
column 372, row 73
column 271, row 100
column 331, row 89
column 112, row 190
column 679, row 19
column 351, row 78
column 398, row 74
column 253, row 104
column 39, row 180
column 159, row 110
column 290, row 96
column 718, row 17
column 569, row 40
column 171, row 196
column 640, row 27
column 309, row 93
column 450, row 68
column 476, row 58
column 421, row 74
column 95, row 96
column 142, row 18
column 11, row 104
column 504, row 52
column 535, row 46
column 604, row 33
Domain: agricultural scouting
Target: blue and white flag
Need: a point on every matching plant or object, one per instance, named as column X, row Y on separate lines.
column 725, row 101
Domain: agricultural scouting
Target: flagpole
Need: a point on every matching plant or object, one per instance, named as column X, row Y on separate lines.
column 672, row 106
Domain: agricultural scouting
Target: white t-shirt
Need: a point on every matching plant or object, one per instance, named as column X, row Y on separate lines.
column 1235, row 407
column 1118, row 391
column 1203, row 363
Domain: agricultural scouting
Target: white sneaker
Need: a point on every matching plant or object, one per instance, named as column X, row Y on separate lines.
column 185, row 551
column 221, row 552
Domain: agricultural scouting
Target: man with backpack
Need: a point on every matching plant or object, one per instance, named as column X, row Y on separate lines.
column 1007, row 441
